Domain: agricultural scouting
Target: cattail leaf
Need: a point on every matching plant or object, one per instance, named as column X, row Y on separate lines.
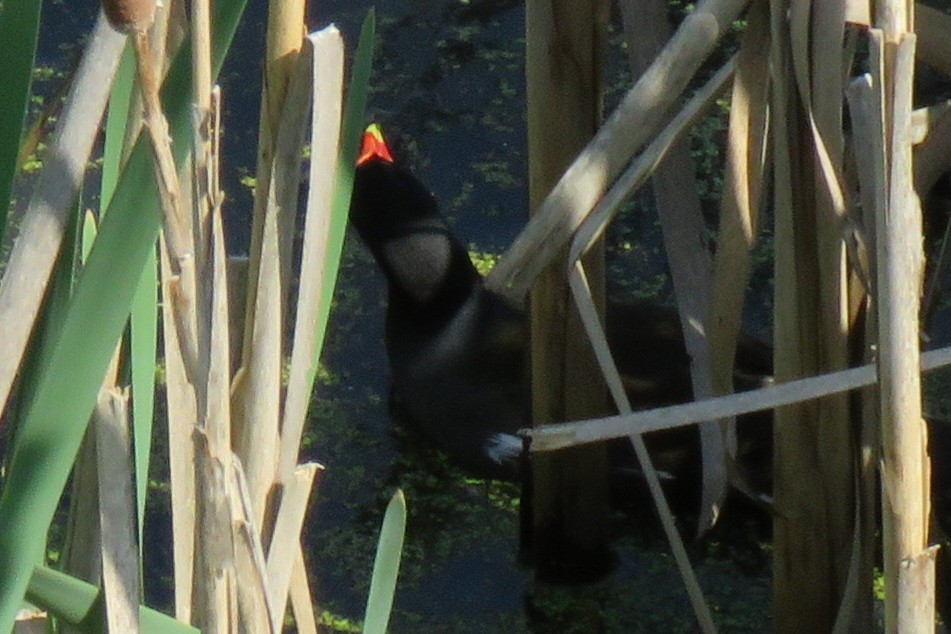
column 80, row 603
column 386, row 566
column 19, row 28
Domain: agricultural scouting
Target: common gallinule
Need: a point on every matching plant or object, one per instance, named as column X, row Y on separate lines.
column 457, row 350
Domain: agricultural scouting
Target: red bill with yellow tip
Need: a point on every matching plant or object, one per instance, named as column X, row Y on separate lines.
column 374, row 146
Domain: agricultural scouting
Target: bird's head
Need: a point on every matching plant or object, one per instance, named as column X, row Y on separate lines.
column 399, row 221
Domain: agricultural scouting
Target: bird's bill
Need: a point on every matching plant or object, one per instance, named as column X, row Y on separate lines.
column 374, row 146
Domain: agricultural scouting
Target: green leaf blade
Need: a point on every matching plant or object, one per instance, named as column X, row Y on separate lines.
column 352, row 131
column 386, row 566
column 19, row 30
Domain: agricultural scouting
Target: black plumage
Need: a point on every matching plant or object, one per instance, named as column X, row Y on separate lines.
column 457, row 350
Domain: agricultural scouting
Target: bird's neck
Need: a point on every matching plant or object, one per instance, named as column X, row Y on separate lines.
column 428, row 272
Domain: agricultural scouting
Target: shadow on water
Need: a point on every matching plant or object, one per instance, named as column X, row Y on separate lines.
column 448, row 80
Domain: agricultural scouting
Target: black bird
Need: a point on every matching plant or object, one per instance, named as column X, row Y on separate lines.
column 457, row 350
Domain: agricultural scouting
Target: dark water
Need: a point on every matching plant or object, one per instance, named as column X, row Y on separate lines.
column 448, row 83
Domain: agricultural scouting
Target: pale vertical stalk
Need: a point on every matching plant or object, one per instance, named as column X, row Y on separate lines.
column 327, row 94
column 302, row 602
column 216, row 325
column 284, row 40
column 688, row 254
column 787, row 571
column 905, row 469
column 214, row 549
column 865, row 113
column 563, row 89
column 182, row 419
column 838, row 442
column 742, row 198
column 201, row 53
column 176, row 223
column 81, row 550
column 117, row 511
column 253, row 598
column 257, row 385
column 323, row 62
column 261, row 440
column 202, row 120
column 162, row 43
column 816, row 444
column 285, row 544
column 215, row 590
column 184, row 365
